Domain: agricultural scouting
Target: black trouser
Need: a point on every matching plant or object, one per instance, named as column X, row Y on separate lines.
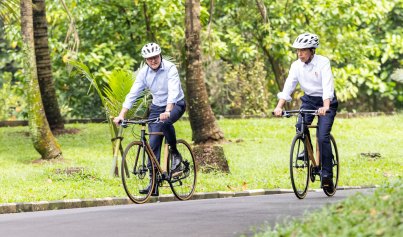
column 166, row 127
column 325, row 124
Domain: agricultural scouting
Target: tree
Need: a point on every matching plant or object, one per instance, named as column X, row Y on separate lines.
column 7, row 10
column 44, row 67
column 42, row 137
column 204, row 125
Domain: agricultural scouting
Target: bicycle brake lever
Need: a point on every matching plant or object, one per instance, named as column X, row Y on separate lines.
column 123, row 123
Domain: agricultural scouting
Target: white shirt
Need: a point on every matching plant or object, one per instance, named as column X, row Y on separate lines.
column 315, row 79
column 164, row 85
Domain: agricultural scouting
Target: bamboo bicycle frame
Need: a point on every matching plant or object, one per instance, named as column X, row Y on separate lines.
column 163, row 169
column 315, row 160
column 163, row 166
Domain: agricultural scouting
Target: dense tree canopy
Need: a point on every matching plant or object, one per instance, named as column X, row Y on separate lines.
column 245, row 43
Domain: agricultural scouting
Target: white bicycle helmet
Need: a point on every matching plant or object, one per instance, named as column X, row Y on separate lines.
column 150, row 50
column 305, row 41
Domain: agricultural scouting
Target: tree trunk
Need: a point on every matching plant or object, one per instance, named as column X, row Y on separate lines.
column 202, row 120
column 44, row 67
column 150, row 34
column 204, row 125
column 41, row 135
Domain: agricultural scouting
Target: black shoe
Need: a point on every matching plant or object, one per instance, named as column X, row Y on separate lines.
column 176, row 162
column 327, row 183
column 301, row 155
column 147, row 189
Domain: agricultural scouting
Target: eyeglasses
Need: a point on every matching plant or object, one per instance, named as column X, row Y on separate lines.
column 156, row 57
column 302, row 50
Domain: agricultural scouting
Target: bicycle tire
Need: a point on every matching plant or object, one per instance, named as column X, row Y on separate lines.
column 135, row 174
column 183, row 183
column 299, row 169
column 336, row 166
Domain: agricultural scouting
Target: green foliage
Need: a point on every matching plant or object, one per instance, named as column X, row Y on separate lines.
column 363, row 39
column 379, row 214
column 113, row 90
column 10, row 103
column 8, row 11
column 238, row 89
column 119, row 85
column 360, row 37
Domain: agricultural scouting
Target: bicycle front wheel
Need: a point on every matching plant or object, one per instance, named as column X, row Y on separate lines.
column 137, row 175
column 299, row 167
column 335, row 166
column 183, row 183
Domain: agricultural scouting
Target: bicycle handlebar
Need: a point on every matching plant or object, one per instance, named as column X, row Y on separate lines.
column 126, row 122
column 289, row 113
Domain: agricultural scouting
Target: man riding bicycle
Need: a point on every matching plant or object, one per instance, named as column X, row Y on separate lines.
column 162, row 79
column 314, row 74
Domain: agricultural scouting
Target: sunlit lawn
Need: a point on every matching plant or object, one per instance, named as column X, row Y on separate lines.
column 257, row 151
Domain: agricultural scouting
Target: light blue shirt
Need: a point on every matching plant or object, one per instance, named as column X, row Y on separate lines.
column 164, row 85
column 315, row 79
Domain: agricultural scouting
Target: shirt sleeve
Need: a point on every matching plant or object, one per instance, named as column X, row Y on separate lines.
column 137, row 87
column 174, row 85
column 327, row 82
column 289, row 85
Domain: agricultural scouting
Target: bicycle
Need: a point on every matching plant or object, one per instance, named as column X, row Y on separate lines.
column 139, row 165
column 301, row 154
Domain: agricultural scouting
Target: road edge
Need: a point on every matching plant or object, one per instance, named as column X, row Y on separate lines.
column 7, row 208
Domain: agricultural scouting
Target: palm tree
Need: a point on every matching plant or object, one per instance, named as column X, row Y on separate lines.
column 44, row 67
column 41, row 135
column 8, row 10
column 113, row 91
column 204, row 125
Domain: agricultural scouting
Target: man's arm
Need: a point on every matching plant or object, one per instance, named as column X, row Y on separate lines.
column 278, row 111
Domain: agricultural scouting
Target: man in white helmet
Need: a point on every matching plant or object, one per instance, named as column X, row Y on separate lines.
column 314, row 74
column 162, row 79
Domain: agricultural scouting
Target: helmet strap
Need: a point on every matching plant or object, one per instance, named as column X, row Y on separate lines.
column 312, row 55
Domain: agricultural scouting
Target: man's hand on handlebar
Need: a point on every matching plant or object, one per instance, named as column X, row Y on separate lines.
column 117, row 120
column 278, row 112
column 322, row 111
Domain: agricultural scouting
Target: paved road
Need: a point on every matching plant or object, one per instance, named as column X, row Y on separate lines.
column 212, row 217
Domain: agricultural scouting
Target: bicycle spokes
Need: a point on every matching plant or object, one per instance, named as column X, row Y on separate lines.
column 299, row 167
column 183, row 181
column 141, row 176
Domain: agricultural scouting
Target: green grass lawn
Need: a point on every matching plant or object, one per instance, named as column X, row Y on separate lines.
column 259, row 160
column 379, row 214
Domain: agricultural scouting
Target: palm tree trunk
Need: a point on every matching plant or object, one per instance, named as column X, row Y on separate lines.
column 41, row 135
column 44, row 67
column 206, row 133
column 202, row 120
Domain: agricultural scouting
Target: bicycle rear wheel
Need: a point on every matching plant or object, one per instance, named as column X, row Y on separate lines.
column 336, row 166
column 136, row 175
column 299, row 167
column 183, row 183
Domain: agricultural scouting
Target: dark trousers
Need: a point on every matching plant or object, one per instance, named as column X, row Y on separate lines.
column 166, row 127
column 325, row 124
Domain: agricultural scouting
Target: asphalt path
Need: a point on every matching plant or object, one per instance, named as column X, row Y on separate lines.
column 211, row 217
